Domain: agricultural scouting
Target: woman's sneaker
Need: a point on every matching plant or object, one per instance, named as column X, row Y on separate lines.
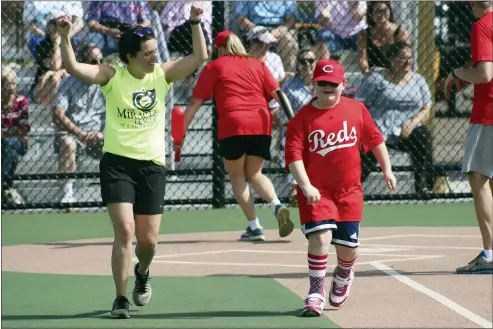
column 142, row 290
column 286, row 226
column 120, row 308
column 253, row 235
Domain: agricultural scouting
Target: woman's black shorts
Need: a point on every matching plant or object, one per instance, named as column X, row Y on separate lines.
column 139, row 182
column 233, row 148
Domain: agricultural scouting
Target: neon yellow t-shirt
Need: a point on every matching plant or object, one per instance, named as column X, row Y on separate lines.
column 135, row 115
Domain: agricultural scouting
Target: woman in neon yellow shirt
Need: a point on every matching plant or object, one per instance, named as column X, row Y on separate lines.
column 132, row 172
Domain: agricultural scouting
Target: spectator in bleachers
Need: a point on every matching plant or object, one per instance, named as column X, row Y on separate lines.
column 299, row 91
column 400, row 103
column 177, row 29
column 78, row 112
column 50, row 70
column 15, row 128
column 279, row 17
column 104, row 18
column 259, row 41
column 340, row 23
column 36, row 16
column 381, row 33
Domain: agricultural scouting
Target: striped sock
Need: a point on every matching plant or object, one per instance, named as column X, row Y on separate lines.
column 317, row 267
column 344, row 267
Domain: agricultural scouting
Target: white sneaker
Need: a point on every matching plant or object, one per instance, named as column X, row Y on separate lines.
column 339, row 289
column 314, row 305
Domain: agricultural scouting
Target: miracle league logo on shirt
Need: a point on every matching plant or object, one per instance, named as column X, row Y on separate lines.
column 145, row 118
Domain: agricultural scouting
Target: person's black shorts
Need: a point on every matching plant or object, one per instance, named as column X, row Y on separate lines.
column 233, row 148
column 134, row 181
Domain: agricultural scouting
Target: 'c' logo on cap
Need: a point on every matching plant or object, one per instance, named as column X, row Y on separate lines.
column 328, row 68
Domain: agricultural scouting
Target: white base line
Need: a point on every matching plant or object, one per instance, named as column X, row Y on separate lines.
column 287, row 265
column 422, row 247
column 433, row 294
column 419, row 236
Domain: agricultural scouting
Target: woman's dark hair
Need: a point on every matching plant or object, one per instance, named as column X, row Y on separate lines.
column 396, row 48
column 371, row 9
column 131, row 39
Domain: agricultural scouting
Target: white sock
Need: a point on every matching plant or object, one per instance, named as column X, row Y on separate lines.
column 274, row 203
column 488, row 255
column 254, row 224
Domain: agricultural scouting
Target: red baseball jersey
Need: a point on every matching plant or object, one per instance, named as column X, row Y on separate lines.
column 482, row 50
column 241, row 88
column 328, row 142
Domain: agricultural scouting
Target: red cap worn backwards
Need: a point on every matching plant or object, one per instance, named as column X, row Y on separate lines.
column 222, row 38
column 329, row 70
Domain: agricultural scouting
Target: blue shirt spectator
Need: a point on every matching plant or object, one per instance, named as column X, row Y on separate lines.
column 393, row 105
column 266, row 13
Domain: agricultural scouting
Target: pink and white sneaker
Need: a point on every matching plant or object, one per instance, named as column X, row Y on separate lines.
column 339, row 289
column 314, row 305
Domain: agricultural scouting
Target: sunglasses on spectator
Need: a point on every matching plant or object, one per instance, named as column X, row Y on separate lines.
column 380, row 11
column 306, row 61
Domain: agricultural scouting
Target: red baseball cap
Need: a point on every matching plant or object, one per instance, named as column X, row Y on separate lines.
column 222, row 38
column 329, row 70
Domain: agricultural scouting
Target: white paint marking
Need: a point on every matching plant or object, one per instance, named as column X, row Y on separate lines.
column 419, row 236
column 288, row 265
column 366, row 252
column 423, row 247
column 433, row 294
column 192, row 254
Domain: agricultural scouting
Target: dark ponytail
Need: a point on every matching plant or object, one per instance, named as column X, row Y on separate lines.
column 130, row 42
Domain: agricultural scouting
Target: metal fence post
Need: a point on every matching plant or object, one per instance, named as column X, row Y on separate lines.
column 218, row 176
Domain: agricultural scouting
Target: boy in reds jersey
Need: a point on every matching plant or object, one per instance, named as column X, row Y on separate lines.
column 478, row 148
column 322, row 151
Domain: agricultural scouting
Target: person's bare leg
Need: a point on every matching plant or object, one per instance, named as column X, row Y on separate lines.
column 258, row 181
column 122, row 217
column 236, row 173
column 67, row 164
column 146, row 233
column 264, row 187
column 483, row 205
column 241, row 191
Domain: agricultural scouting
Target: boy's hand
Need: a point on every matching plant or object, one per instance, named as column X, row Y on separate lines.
column 311, row 193
column 390, row 180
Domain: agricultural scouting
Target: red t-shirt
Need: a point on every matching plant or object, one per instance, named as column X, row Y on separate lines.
column 18, row 116
column 328, row 142
column 482, row 50
column 241, row 88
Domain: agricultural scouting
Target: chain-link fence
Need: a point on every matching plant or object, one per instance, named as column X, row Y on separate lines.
column 45, row 164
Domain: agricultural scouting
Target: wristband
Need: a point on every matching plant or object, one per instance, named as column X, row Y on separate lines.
column 194, row 22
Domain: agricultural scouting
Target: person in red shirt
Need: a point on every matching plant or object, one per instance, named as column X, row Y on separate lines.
column 478, row 147
column 242, row 86
column 15, row 128
column 322, row 152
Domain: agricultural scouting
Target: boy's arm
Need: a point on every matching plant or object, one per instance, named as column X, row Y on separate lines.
column 383, row 159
